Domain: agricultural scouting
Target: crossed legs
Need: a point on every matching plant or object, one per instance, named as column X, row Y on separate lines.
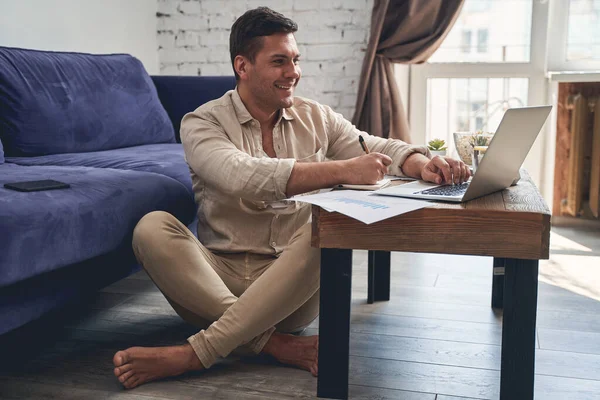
column 243, row 301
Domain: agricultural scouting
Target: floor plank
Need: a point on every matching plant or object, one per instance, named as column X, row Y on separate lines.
column 425, row 328
column 442, row 397
column 565, row 320
column 36, row 390
column 423, row 309
column 357, row 392
column 392, row 374
column 146, row 304
column 567, row 365
column 426, row 351
column 557, row 388
column 573, row 341
column 132, row 286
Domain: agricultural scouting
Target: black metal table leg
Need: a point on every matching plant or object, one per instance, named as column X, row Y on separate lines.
column 518, row 329
column 334, row 323
column 378, row 285
column 498, row 283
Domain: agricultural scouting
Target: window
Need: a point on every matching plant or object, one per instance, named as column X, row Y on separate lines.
column 465, row 42
column 511, row 45
column 458, row 90
column 574, row 36
column 471, row 104
column 583, row 40
column 503, row 30
column 461, row 95
column 482, row 41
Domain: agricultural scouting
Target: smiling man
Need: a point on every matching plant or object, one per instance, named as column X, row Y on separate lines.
column 250, row 280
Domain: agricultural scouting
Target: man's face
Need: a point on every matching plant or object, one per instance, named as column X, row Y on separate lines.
column 275, row 72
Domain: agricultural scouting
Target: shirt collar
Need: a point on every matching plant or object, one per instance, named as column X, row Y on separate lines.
column 286, row 114
column 244, row 116
column 241, row 111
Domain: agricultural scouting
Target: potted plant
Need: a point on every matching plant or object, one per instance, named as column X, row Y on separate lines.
column 480, row 139
column 479, row 142
column 437, row 147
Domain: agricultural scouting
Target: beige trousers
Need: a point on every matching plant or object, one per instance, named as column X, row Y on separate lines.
column 238, row 300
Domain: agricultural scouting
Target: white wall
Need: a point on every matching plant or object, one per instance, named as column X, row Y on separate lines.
column 193, row 39
column 91, row 26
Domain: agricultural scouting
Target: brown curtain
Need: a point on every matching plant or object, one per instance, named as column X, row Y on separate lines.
column 402, row 31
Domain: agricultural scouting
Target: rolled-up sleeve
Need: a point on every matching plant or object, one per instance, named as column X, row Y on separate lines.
column 344, row 144
column 216, row 160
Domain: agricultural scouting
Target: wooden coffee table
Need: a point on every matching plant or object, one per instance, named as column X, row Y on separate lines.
column 513, row 226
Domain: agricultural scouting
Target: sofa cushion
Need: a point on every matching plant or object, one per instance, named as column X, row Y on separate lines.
column 43, row 231
column 165, row 159
column 183, row 94
column 59, row 102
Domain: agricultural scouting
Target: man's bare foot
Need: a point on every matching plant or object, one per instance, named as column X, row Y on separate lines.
column 299, row 351
column 138, row 365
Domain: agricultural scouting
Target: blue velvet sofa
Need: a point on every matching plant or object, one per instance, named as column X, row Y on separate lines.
column 103, row 125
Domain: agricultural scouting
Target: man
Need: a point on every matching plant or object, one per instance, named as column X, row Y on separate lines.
column 252, row 278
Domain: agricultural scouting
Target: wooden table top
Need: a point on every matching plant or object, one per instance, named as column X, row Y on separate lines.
column 513, row 223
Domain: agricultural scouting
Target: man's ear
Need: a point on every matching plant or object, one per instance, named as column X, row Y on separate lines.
column 241, row 64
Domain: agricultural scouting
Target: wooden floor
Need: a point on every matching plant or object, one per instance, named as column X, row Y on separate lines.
column 436, row 339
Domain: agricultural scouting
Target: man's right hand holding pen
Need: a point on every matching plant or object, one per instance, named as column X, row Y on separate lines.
column 367, row 169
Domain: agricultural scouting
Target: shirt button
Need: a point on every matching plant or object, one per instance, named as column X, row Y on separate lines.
column 273, row 244
column 277, row 216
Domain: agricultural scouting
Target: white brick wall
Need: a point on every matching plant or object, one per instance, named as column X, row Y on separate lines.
column 193, row 39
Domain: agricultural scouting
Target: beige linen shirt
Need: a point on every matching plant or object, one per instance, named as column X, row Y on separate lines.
column 241, row 191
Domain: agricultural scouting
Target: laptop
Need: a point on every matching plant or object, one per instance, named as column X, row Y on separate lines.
column 498, row 168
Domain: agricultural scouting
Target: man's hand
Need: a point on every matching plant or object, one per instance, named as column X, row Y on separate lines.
column 443, row 169
column 363, row 170
column 367, row 169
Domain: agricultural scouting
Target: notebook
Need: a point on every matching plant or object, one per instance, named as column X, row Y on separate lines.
column 376, row 186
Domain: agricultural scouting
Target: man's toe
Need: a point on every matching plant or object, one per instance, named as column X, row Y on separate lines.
column 131, row 382
column 125, row 376
column 122, row 369
column 120, row 358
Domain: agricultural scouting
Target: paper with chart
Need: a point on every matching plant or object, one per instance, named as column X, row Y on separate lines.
column 363, row 206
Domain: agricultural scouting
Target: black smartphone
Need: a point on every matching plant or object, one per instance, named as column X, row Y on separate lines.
column 35, row 186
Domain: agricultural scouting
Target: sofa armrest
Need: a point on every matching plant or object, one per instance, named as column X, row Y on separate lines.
column 182, row 94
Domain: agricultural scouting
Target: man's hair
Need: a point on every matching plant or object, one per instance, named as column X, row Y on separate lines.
column 246, row 38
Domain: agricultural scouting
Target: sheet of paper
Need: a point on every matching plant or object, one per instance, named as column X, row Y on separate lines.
column 363, row 206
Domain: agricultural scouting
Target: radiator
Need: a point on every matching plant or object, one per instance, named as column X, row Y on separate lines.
column 595, row 162
column 585, row 115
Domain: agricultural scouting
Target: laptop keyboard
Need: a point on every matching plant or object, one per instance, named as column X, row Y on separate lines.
column 447, row 190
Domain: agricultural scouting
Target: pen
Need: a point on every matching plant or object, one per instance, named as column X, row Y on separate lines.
column 363, row 144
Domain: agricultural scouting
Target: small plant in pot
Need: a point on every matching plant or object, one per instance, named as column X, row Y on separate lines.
column 480, row 139
column 437, row 147
column 479, row 142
